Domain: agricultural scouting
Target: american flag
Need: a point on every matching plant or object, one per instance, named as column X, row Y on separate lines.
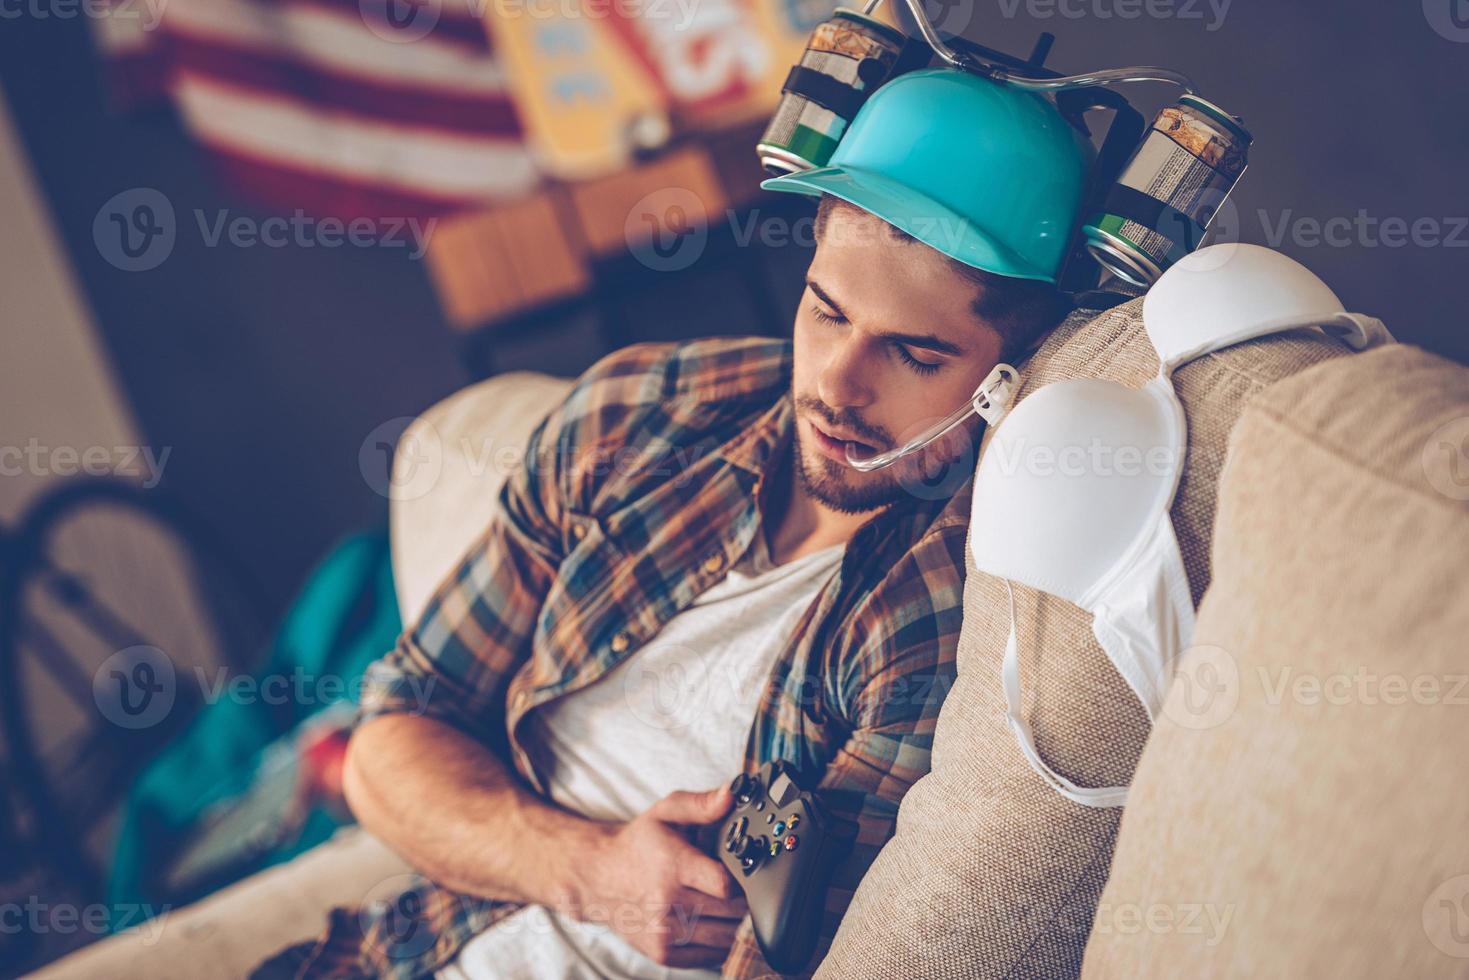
column 348, row 108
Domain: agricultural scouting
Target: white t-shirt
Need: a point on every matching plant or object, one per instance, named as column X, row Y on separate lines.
column 675, row 715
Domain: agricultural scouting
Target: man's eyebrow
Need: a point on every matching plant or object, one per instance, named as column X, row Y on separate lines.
column 927, row 341
column 821, row 295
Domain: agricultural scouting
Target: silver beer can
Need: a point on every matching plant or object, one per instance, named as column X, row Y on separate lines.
column 1170, row 191
column 847, row 57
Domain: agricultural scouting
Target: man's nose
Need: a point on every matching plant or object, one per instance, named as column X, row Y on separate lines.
column 842, row 381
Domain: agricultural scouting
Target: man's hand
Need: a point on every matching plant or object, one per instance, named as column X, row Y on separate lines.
column 650, row 883
column 448, row 804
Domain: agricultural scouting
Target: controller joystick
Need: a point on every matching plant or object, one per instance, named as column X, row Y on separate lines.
column 779, row 844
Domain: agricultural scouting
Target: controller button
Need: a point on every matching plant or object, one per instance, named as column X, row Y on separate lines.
column 759, row 804
column 743, row 788
column 770, row 818
column 791, row 842
column 784, row 791
column 780, row 828
column 793, row 821
column 774, row 847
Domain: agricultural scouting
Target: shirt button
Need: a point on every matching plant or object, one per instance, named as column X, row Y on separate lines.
column 620, row 642
column 713, row 563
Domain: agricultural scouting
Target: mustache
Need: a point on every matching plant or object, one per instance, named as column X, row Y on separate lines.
column 867, row 435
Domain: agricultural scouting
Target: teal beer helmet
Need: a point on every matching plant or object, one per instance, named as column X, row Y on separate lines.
column 990, row 175
column 988, row 157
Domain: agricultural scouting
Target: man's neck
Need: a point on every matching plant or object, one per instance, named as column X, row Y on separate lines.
column 794, row 523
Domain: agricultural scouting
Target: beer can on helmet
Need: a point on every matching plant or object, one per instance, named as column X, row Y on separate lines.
column 1170, row 191
column 847, row 57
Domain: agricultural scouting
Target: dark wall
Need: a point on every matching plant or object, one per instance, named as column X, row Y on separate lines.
column 1356, row 109
column 265, row 369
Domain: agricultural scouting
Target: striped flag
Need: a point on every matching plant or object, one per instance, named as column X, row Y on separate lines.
column 403, row 108
column 347, row 108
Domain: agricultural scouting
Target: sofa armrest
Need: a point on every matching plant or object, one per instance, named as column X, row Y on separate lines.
column 226, row 935
column 1299, row 809
column 448, row 469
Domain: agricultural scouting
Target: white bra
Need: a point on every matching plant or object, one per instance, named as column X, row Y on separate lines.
column 1073, row 491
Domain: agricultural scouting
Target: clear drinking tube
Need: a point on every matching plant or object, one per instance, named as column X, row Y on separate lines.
column 990, row 401
column 1099, row 79
column 1001, row 73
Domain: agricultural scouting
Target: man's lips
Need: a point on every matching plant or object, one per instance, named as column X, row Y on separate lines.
column 836, row 445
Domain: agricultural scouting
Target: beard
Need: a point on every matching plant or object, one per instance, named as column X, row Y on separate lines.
column 840, row 487
column 933, row 473
column 836, row 485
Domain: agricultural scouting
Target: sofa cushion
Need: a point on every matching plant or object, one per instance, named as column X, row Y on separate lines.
column 990, row 872
column 448, row 469
column 1300, row 809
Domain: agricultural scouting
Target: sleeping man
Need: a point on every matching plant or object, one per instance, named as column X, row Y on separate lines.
column 684, row 581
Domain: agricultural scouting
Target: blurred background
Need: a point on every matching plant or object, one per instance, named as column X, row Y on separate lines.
column 244, row 242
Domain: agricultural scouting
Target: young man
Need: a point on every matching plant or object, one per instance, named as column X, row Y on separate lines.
column 687, row 580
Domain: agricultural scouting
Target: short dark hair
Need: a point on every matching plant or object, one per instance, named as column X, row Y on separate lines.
column 1022, row 311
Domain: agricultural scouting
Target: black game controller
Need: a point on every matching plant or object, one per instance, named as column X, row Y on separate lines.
column 780, row 847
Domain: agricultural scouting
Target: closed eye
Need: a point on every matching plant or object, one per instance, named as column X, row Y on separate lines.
column 922, row 367
column 826, row 317
column 913, row 363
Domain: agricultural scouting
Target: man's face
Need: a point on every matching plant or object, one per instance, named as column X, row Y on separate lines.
column 886, row 345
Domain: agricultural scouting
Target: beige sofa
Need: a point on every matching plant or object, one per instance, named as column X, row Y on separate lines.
column 1301, row 808
column 1330, row 837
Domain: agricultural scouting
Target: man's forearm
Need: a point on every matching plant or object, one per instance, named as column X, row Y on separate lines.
column 453, row 809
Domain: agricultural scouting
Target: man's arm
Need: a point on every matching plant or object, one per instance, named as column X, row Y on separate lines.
column 448, row 804
column 427, row 768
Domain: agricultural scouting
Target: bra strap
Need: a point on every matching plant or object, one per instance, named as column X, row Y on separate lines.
column 1357, row 330
column 1104, row 797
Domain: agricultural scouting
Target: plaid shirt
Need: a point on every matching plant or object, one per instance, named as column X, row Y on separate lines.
column 638, row 492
